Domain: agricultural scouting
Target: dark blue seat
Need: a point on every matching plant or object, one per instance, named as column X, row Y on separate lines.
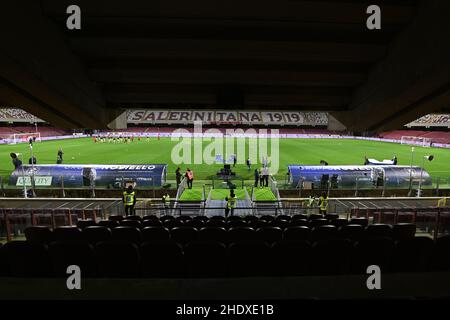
column 300, row 233
column 25, row 259
column 290, row 258
column 155, row 234
column 206, row 260
column 118, row 259
column 39, row 235
column 64, row 254
column 127, row 234
column 162, row 260
column 249, row 259
column 213, row 234
column 95, row 234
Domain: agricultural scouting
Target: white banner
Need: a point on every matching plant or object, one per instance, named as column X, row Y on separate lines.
column 227, row 117
column 39, row 181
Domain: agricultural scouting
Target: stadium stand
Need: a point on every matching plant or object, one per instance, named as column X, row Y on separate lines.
column 306, row 123
column 127, row 252
column 435, row 136
column 16, row 115
column 431, row 120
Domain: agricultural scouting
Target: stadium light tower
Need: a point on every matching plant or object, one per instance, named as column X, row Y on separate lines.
column 429, row 158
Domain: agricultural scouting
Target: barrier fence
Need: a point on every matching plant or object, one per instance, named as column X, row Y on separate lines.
column 428, row 218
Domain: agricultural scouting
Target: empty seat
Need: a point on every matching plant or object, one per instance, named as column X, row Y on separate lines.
column 249, row 259
column 95, row 234
column 315, row 216
column 163, row 259
column 118, row 259
column 234, row 218
column 127, row 234
column 150, row 217
column 378, row 230
column 170, row 224
column 217, row 218
column 372, row 251
column 282, row 224
column 184, row 235
column 352, row 232
column 151, row 223
column 330, row 257
column 290, row 258
column 216, row 223
column 300, row 233
column 68, row 234
column 412, row 255
column 298, row 223
column 441, row 256
column 203, row 219
column 166, row 218
column 299, row 217
column 326, row 232
column 213, row 234
column 331, row 216
column 256, row 224
column 267, row 218
column 3, row 264
column 155, row 234
column 183, row 219
column 134, row 217
column 405, row 217
column 131, row 223
column 314, row 223
column 236, row 224
column 85, row 223
column 284, row 217
column 361, row 221
column 269, row 234
column 64, row 254
column 194, row 223
column 25, row 259
column 404, row 231
column 339, row 222
column 39, row 235
column 108, row 223
column 206, row 259
column 250, row 219
column 241, row 234
column 387, row 217
column 116, row 218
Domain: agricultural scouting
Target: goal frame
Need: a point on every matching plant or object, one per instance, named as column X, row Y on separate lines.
column 417, row 141
column 16, row 137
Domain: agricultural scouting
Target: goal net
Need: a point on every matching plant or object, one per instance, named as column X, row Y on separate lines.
column 418, row 141
column 24, row 137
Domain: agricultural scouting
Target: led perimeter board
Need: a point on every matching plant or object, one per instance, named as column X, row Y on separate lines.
column 82, row 175
column 363, row 176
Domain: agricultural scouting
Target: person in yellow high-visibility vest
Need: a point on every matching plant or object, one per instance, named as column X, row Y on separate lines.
column 129, row 200
column 323, row 204
column 166, row 200
column 442, row 202
column 231, row 203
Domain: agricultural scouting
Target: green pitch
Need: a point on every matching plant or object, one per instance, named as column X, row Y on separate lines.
column 291, row 151
column 195, row 194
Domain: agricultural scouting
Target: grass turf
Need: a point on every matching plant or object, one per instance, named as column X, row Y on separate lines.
column 195, row 194
column 292, row 151
column 264, row 194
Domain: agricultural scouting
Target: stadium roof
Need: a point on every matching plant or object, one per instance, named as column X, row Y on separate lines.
column 299, row 55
